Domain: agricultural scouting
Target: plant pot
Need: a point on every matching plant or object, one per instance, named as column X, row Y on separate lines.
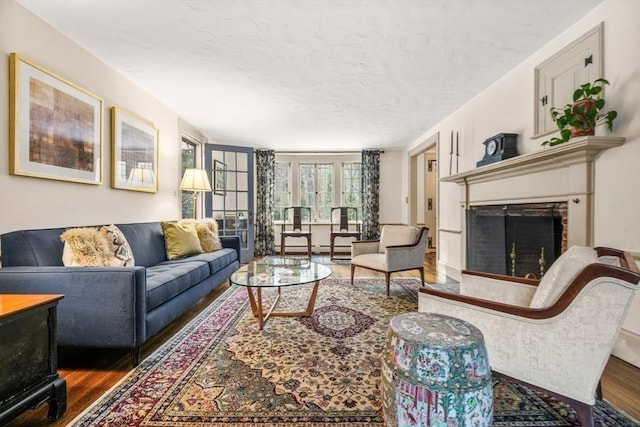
column 576, row 132
column 587, row 128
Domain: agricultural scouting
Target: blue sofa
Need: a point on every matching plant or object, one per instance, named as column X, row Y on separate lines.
column 118, row 307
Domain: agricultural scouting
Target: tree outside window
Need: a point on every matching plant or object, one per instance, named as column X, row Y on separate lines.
column 188, row 161
column 351, row 187
column 319, row 186
column 316, row 189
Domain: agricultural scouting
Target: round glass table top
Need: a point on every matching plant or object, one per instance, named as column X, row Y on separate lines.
column 275, row 271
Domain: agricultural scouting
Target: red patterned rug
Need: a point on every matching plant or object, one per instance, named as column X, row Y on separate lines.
column 220, row 370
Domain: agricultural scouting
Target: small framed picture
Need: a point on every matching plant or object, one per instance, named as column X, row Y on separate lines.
column 55, row 126
column 134, row 152
column 219, row 177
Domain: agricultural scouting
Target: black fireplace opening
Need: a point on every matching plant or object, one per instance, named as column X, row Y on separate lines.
column 520, row 240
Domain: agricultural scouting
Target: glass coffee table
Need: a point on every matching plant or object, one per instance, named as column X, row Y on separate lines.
column 277, row 272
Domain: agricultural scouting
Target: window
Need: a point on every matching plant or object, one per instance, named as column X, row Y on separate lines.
column 281, row 193
column 351, row 186
column 320, row 185
column 188, row 161
column 316, row 189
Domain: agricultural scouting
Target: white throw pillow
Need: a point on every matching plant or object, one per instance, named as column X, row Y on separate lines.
column 561, row 274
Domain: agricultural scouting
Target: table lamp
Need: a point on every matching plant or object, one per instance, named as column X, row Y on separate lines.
column 195, row 180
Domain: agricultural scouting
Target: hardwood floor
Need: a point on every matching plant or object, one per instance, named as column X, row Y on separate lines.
column 90, row 373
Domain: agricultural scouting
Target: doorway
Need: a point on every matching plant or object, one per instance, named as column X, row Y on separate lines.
column 423, row 189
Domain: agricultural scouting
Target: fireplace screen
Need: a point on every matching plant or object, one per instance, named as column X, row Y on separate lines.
column 519, row 240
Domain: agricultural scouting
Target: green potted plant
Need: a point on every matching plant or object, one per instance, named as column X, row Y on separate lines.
column 582, row 116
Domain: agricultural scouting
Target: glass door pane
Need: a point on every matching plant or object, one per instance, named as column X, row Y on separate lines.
column 231, row 201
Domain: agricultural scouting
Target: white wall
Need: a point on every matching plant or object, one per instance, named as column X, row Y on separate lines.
column 507, row 106
column 32, row 202
column 393, row 187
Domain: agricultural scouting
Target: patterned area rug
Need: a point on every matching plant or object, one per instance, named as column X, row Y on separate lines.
column 220, row 370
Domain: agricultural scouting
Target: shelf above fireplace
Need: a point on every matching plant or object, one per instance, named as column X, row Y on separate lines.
column 579, row 150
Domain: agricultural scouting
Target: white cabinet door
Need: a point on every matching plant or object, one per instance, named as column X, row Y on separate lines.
column 559, row 76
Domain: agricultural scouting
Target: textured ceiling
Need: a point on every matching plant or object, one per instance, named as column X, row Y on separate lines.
column 311, row 75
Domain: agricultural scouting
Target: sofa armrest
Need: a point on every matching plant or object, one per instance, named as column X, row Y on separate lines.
column 231, row 242
column 102, row 306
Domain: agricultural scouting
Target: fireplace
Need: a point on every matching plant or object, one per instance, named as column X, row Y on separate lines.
column 516, row 239
column 561, row 174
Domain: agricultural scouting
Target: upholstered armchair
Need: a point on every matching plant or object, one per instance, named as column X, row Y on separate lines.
column 399, row 248
column 556, row 335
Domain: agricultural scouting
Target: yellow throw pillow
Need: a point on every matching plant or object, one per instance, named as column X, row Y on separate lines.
column 87, row 246
column 180, row 239
column 207, row 230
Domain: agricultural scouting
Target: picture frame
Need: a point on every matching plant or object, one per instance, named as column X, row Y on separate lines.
column 219, row 177
column 55, row 126
column 134, row 152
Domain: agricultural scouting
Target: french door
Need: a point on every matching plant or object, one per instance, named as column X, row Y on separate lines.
column 230, row 201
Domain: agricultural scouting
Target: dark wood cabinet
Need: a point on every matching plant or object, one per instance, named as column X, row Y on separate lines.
column 28, row 356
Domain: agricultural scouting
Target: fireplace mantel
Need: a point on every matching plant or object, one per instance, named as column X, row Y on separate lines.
column 556, row 174
column 579, row 150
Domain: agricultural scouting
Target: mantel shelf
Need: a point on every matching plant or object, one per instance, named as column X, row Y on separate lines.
column 579, row 150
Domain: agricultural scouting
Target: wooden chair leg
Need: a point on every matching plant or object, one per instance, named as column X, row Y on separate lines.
column 388, row 277
column 309, row 246
column 353, row 269
column 421, row 274
column 331, row 243
column 282, row 252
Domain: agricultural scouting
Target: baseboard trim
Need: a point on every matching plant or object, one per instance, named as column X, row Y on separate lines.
column 627, row 347
column 449, row 270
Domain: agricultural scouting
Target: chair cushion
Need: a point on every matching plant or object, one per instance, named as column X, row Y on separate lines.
column 561, row 274
column 393, row 235
column 374, row 261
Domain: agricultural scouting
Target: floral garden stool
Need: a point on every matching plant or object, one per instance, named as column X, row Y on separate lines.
column 435, row 373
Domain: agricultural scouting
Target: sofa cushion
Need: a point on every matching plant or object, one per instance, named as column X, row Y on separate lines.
column 394, row 235
column 146, row 241
column 217, row 260
column 118, row 244
column 88, row 246
column 561, row 273
column 180, row 239
column 207, row 230
column 168, row 279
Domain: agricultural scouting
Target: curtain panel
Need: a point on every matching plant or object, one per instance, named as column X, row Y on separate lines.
column 265, row 177
column 370, row 194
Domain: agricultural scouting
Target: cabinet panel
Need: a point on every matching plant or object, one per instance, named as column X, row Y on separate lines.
column 559, row 76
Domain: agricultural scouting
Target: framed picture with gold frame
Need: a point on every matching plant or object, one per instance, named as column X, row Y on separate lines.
column 134, row 152
column 55, row 126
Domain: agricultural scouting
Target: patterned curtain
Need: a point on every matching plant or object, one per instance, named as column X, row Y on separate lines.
column 265, row 176
column 370, row 194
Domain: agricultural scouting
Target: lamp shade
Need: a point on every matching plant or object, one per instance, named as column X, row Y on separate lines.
column 141, row 177
column 195, row 180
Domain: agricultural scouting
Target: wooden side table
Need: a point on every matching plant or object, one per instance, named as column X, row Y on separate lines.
column 28, row 356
